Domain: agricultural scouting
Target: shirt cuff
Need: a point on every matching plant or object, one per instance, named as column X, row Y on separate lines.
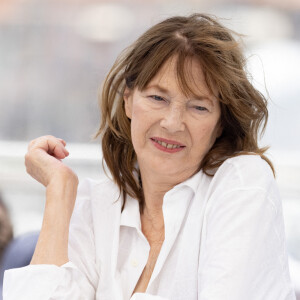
column 33, row 282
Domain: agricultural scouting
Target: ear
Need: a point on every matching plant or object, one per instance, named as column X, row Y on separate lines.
column 127, row 96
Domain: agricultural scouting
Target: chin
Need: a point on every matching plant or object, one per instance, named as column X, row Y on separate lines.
column 168, row 170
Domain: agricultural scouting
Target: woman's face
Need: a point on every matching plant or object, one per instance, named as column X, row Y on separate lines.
column 172, row 132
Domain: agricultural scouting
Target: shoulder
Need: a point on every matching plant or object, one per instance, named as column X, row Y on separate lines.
column 246, row 175
column 245, row 171
column 243, row 185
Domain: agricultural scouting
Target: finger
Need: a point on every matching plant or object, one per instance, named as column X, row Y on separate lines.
column 59, row 151
column 66, row 152
column 50, row 144
column 63, row 141
column 41, row 142
column 31, row 144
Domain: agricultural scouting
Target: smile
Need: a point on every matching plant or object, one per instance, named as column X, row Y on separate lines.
column 166, row 145
column 169, row 146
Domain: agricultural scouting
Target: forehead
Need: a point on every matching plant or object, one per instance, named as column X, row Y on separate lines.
column 188, row 75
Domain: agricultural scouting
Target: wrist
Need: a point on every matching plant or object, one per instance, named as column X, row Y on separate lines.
column 67, row 178
column 61, row 194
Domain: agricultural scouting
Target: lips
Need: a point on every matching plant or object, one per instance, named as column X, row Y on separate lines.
column 168, row 145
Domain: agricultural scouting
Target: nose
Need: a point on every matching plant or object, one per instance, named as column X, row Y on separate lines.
column 173, row 119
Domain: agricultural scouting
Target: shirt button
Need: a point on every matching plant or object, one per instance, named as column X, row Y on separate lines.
column 134, row 263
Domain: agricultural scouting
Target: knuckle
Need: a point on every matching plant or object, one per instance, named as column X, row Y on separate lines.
column 27, row 158
column 49, row 137
column 40, row 141
column 36, row 141
column 31, row 143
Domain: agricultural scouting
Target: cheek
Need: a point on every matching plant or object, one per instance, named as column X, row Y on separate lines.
column 139, row 126
column 142, row 117
column 205, row 136
column 136, row 112
column 137, row 123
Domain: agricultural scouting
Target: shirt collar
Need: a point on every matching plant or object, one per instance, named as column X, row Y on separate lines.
column 192, row 182
column 130, row 215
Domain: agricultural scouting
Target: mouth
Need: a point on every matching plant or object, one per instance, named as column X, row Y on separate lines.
column 167, row 145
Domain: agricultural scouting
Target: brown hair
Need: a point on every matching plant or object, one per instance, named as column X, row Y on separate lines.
column 243, row 108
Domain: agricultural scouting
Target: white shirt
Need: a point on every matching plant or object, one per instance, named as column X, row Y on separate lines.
column 224, row 240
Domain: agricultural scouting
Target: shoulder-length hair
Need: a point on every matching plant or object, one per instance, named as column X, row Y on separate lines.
column 243, row 108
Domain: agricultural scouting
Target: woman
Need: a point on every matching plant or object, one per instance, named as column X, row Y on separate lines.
column 192, row 210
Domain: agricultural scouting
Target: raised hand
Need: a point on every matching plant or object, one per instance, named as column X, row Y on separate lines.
column 43, row 160
column 44, row 163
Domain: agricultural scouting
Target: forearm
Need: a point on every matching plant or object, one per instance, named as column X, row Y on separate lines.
column 52, row 245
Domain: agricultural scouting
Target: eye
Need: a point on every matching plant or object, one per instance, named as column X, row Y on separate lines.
column 201, row 108
column 157, row 98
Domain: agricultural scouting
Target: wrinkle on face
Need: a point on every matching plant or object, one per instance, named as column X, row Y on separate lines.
column 198, row 131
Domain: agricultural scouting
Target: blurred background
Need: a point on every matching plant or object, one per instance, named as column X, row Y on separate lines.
column 55, row 54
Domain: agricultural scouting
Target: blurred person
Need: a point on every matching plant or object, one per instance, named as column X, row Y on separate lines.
column 190, row 209
column 14, row 252
column 6, row 232
column 6, row 235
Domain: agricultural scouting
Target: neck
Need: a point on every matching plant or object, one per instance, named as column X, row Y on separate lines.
column 152, row 218
column 154, row 191
column 155, row 186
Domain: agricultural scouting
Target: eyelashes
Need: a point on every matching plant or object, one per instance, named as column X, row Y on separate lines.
column 197, row 108
column 201, row 108
column 157, row 98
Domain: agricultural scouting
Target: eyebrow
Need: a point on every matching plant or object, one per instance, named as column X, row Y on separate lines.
column 165, row 91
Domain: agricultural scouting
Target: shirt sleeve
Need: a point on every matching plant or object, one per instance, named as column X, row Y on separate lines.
column 76, row 279
column 243, row 250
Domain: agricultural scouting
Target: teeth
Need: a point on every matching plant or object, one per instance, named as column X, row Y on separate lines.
column 168, row 146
